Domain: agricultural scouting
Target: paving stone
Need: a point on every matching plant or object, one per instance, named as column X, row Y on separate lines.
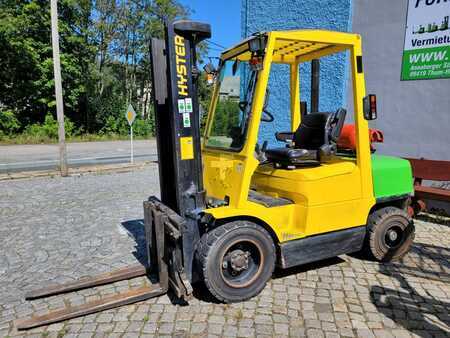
column 197, row 328
column 263, row 329
column 246, row 332
column 216, row 319
column 215, row 329
column 315, row 333
column 229, row 331
column 149, row 328
column 281, row 329
column 166, row 328
column 79, row 226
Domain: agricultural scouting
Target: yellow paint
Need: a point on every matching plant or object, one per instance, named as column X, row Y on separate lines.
column 333, row 196
column 187, row 148
column 181, row 67
column 130, row 116
column 295, row 96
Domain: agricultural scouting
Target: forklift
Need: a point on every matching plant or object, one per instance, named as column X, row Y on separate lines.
column 232, row 209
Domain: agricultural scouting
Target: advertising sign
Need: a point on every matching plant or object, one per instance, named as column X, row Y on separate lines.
column 426, row 54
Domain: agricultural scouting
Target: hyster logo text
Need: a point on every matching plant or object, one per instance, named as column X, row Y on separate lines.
column 180, row 60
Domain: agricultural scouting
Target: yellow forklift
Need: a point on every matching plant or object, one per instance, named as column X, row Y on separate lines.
column 231, row 209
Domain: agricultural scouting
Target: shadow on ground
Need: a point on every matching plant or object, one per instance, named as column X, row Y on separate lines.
column 422, row 314
column 435, row 216
column 419, row 313
column 281, row 273
column 135, row 230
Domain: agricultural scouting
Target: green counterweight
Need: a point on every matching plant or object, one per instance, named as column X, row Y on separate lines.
column 392, row 176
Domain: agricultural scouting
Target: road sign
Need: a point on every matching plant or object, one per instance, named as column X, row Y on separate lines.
column 130, row 114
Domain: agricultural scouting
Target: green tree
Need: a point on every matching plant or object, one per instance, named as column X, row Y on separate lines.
column 105, row 61
column 26, row 80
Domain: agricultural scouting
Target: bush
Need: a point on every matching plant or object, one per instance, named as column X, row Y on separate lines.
column 142, row 127
column 119, row 126
column 115, row 126
column 9, row 124
column 49, row 129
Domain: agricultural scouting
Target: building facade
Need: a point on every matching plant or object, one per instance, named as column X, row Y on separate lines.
column 413, row 115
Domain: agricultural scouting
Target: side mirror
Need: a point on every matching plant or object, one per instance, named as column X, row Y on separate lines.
column 370, row 107
column 209, row 68
column 211, row 73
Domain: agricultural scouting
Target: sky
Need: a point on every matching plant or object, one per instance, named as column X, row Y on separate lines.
column 224, row 17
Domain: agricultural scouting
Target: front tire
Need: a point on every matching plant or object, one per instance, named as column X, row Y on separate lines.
column 236, row 259
column 390, row 234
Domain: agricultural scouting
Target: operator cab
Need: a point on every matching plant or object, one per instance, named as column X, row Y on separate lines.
column 311, row 142
column 237, row 161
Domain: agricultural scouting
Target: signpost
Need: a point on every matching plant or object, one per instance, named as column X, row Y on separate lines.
column 131, row 115
column 426, row 54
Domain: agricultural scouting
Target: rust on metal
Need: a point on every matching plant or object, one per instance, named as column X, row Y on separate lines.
column 428, row 170
column 133, row 271
column 165, row 260
column 106, row 303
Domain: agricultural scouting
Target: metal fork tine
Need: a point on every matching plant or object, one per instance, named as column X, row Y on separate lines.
column 105, row 278
column 106, row 303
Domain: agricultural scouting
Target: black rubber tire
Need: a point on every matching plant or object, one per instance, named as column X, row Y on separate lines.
column 379, row 223
column 213, row 246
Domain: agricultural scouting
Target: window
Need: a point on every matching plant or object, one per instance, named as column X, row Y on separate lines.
column 230, row 119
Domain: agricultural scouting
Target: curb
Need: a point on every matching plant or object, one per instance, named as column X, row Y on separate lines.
column 77, row 171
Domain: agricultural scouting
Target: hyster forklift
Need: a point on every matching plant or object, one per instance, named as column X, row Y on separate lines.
column 231, row 210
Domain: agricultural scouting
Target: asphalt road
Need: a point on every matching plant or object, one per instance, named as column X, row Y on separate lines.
column 15, row 158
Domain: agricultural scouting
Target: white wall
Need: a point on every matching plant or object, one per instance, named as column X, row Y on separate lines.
column 414, row 115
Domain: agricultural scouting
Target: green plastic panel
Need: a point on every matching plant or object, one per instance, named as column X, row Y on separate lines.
column 392, row 176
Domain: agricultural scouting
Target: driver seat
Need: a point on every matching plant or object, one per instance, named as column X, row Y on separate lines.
column 312, row 141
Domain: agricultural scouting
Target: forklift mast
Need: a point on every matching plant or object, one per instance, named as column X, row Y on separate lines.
column 175, row 77
column 171, row 225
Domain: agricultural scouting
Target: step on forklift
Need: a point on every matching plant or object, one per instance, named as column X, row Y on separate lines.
column 231, row 210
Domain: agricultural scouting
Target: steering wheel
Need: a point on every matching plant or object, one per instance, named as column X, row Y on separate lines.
column 265, row 116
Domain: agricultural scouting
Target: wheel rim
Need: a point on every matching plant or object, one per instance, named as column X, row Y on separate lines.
column 241, row 263
column 394, row 236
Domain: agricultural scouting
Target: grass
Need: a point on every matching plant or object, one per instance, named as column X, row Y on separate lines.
column 31, row 139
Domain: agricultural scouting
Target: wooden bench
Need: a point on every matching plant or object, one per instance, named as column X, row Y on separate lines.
column 433, row 171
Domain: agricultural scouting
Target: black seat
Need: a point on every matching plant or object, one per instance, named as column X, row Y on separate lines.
column 286, row 156
column 316, row 135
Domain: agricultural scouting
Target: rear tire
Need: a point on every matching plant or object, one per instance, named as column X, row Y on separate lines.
column 236, row 259
column 390, row 234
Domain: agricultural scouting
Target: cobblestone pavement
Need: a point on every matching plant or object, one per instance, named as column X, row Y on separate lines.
column 60, row 229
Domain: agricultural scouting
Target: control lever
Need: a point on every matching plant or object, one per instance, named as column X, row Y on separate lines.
column 261, row 152
column 264, row 146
